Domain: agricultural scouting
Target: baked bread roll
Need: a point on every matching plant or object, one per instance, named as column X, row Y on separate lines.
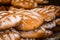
column 30, row 20
column 8, row 20
column 38, row 33
column 9, row 35
column 56, row 9
column 24, row 3
column 5, row 1
column 49, row 25
column 48, row 15
column 42, row 1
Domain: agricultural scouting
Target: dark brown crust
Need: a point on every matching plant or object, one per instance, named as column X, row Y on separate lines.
column 2, row 8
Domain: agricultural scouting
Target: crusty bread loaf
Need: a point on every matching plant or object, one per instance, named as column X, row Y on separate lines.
column 10, row 34
column 24, row 3
column 38, row 33
column 48, row 15
column 8, row 20
column 30, row 20
column 56, row 9
column 5, row 1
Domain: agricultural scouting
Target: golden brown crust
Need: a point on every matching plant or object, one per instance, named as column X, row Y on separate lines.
column 14, row 9
column 30, row 20
column 49, row 25
column 5, row 1
column 9, row 35
column 56, row 9
column 8, row 20
column 42, row 1
column 24, row 3
column 36, row 34
column 48, row 15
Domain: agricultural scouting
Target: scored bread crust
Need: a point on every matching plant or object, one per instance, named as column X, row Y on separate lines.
column 56, row 9
column 8, row 20
column 30, row 20
column 48, row 15
column 24, row 3
column 49, row 25
column 38, row 33
column 10, row 34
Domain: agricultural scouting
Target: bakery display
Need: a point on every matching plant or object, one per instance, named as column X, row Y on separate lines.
column 29, row 20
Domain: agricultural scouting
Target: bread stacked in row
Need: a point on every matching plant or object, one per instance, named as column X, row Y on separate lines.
column 25, row 20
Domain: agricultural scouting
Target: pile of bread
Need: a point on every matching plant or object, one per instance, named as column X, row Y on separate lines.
column 28, row 19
